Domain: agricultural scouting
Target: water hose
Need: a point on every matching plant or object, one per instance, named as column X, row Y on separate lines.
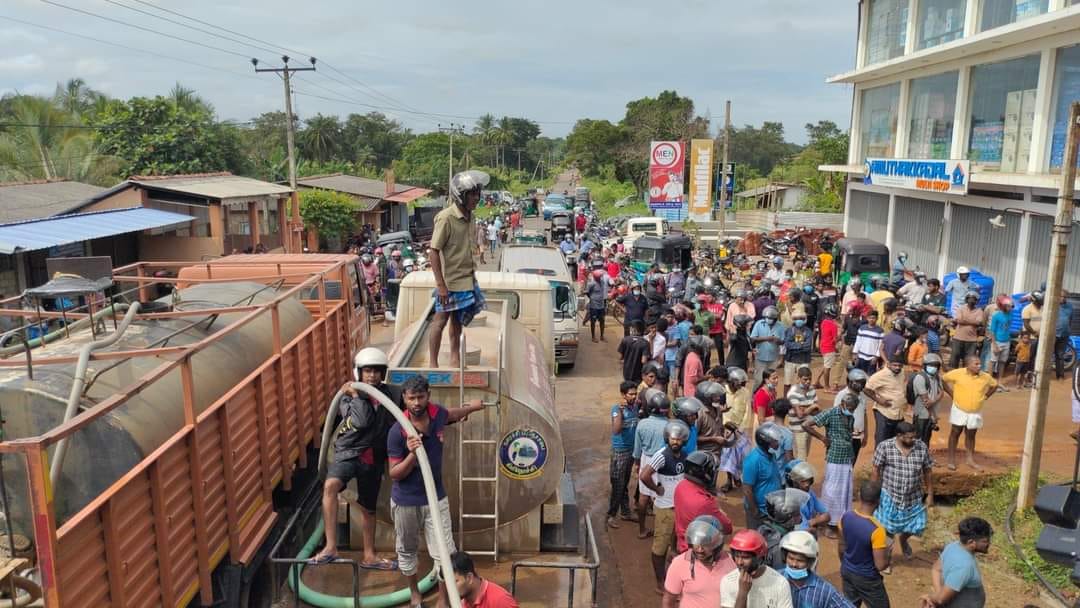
column 60, row 333
column 429, row 491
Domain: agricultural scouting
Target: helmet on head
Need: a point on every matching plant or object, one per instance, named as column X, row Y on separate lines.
column 743, row 320
column 768, row 434
column 684, row 407
column 972, row 296
column 706, row 532
column 902, row 255
column 831, row 310
column 709, row 392
column 800, row 542
column 778, row 261
column 856, row 374
column 1037, row 296
column 931, row 359
column 366, row 258
column 770, row 312
column 676, row 429
column 737, row 378
column 467, row 181
column 802, row 471
column 369, row 357
column 702, row 467
column 749, row 541
column 783, row 505
column 656, row 402
column 963, row 270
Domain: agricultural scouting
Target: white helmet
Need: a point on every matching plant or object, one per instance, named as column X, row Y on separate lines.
column 963, row 270
column 369, row 357
column 801, row 542
column 466, row 181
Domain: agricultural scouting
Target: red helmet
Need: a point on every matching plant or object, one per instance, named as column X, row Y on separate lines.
column 750, row 541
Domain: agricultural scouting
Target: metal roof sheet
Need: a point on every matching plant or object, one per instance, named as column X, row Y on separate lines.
column 409, row 195
column 33, row 200
column 351, row 184
column 44, row 233
column 215, row 186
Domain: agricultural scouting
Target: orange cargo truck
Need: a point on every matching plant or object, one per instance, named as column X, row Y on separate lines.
column 184, row 431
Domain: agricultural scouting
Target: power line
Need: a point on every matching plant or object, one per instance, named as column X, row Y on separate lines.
column 109, row 127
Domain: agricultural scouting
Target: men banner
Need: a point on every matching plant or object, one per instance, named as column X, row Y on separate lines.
column 701, row 173
column 666, row 175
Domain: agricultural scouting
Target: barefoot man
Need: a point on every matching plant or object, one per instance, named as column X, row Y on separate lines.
column 969, row 388
column 457, row 295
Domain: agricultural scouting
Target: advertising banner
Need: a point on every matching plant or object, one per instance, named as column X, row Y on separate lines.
column 701, row 173
column 947, row 176
column 666, row 175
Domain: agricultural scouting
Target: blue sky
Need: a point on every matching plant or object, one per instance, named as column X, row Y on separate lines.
column 554, row 61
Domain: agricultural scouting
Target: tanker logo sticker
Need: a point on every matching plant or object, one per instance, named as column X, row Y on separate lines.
column 522, row 454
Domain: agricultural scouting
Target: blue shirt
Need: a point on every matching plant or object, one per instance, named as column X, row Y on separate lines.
column 862, row 535
column 649, row 436
column 409, row 491
column 933, row 342
column 958, row 289
column 786, row 444
column 1061, row 328
column 767, row 352
column 760, row 472
column 691, row 443
column 566, row 246
column 672, row 349
column 817, row 592
column 624, row 441
column 811, row 509
column 999, row 326
column 959, row 569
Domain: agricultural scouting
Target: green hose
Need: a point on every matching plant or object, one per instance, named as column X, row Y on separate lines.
column 323, row 600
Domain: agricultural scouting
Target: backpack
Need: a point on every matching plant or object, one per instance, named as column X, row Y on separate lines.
column 909, row 391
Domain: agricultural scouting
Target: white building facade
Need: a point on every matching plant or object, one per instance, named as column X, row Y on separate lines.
column 989, row 81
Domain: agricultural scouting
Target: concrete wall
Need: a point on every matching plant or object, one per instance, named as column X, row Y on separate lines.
column 763, row 219
column 179, row 248
column 130, row 197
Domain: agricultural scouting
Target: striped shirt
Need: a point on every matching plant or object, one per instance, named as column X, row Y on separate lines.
column 816, row 592
column 901, row 476
column 868, row 341
column 838, row 427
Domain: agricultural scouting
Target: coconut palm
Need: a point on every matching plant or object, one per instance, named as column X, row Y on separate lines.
column 76, row 98
column 321, row 138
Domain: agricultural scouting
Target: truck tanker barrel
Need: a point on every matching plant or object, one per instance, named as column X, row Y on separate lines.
column 514, row 443
column 110, row 445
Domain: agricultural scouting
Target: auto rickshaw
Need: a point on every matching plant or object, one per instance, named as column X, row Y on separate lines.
column 397, row 240
column 861, row 258
column 666, row 251
column 531, row 207
column 562, row 224
column 530, row 237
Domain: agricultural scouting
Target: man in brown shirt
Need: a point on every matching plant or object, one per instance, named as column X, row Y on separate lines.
column 970, row 322
column 888, row 389
column 457, row 295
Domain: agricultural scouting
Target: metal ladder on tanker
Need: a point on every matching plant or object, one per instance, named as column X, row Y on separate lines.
column 480, row 477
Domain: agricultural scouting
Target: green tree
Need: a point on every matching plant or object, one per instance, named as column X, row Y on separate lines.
column 331, row 213
column 829, row 140
column 425, row 160
column 373, row 139
column 76, row 98
column 321, row 138
column 264, row 143
column 762, row 148
column 668, row 116
column 592, row 145
column 159, row 136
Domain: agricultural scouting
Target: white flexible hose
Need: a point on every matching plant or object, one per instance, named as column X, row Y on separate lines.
column 425, row 471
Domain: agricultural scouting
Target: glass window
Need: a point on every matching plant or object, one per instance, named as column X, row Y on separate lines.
column 933, row 104
column 1002, row 113
column 886, row 31
column 877, row 121
column 1066, row 91
column 940, row 21
column 562, row 301
column 996, row 13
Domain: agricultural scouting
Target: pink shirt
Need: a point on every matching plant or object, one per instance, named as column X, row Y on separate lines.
column 734, row 309
column 703, row 589
column 693, row 372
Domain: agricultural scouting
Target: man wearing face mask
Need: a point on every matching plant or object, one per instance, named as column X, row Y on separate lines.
column 753, row 583
column 913, row 292
column 926, row 391
column 838, row 425
column 958, row 287
column 903, row 465
column 767, row 336
column 856, row 385
column 888, row 389
column 634, row 306
column 760, row 474
column 798, row 346
column 808, row 590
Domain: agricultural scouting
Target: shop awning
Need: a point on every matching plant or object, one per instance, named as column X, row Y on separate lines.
column 51, row 232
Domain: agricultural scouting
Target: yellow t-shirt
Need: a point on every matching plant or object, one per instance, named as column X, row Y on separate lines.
column 740, row 412
column 825, row 263
column 969, row 392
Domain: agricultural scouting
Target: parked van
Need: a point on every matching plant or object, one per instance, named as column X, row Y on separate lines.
column 548, row 262
column 529, row 298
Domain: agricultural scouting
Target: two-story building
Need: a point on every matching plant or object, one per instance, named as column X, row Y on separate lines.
column 988, row 82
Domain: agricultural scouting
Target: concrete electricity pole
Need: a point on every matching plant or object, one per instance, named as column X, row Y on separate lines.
column 296, row 225
column 451, row 129
column 1059, row 248
column 519, row 151
column 723, row 169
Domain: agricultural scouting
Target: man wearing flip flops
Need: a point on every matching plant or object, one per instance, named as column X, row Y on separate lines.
column 359, row 453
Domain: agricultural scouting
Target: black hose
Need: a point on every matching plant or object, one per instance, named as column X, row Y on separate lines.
column 1020, row 554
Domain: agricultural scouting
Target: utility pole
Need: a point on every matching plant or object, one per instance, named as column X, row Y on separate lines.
column 1059, row 248
column 519, row 151
column 296, row 225
column 723, row 169
column 451, row 129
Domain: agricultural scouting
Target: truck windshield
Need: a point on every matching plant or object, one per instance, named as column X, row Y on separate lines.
column 563, row 302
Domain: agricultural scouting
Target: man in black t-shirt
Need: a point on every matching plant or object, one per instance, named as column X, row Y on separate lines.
column 359, row 453
column 634, row 350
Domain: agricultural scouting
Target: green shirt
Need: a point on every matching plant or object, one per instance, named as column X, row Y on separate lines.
column 452, row 238
column 838, row 427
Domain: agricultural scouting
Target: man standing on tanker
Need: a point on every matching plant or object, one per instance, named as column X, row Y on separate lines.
column 457, row 294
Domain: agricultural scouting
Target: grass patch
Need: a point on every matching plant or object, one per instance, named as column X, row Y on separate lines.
column 992, row 504
column 607, row 191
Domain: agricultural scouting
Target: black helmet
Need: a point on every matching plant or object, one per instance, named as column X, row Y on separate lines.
column 766, row 435
column 783, row 505
column 1037, row 296
column 684, row 407
column 709, row 392
column 702, row 467
column 656, row 402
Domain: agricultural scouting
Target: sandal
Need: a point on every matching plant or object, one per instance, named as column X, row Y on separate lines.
column 319, row 560
column 380, row 564
column 645, row 534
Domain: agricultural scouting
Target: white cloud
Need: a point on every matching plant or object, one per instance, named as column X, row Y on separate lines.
column 21, row 63
column 90, row 66
column 15, row 35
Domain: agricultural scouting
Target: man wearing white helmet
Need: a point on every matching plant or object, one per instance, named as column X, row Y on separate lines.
column 359, row 453
column 958, row 287
column 808, row 590
column 457, row 295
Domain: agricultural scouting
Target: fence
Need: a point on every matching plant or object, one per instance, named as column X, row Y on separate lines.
column 756, row 220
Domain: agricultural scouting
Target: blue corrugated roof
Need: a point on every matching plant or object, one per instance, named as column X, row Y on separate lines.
column 53, row 231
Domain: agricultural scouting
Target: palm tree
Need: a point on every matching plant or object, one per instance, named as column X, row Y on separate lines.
column 46, row 147
column 76, row 98
column 187, row 99
column 321, row 138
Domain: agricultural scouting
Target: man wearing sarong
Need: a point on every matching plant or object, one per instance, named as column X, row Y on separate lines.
column 838, row 424
column 457, row 295
column 902, row 465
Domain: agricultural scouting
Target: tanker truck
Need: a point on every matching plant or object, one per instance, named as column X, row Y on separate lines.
column 151, row 465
